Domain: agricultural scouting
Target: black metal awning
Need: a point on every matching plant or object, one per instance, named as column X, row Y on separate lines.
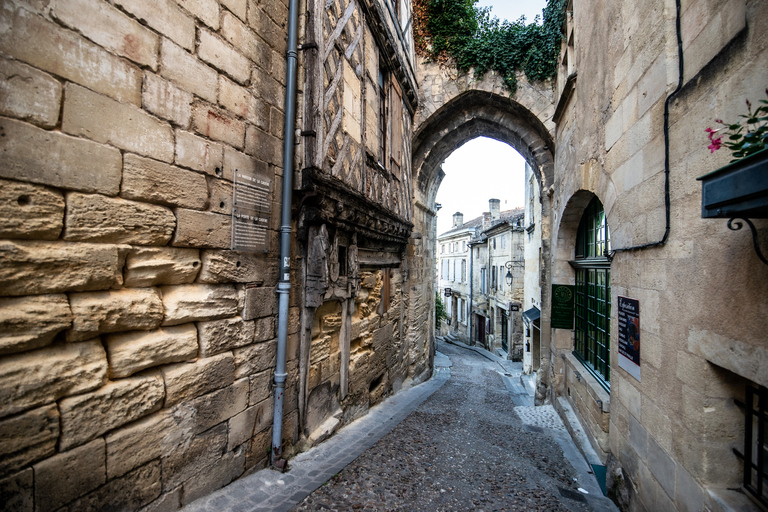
column 531, row 315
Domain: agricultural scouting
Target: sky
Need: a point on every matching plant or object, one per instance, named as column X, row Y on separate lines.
column 484, row 169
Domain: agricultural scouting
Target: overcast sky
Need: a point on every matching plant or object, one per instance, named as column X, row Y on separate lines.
column 484, row 169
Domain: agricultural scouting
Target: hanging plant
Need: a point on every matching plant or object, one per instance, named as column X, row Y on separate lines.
column 460, row 31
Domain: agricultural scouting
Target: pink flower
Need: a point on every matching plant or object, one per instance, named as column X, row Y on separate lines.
column 716, row 144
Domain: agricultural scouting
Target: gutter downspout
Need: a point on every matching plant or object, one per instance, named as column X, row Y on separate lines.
column 284, row 286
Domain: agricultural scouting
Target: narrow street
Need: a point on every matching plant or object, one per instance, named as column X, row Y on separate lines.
column 466, row 448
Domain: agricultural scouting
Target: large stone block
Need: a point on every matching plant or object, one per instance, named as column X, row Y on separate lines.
column 181, row 67
column 57, row 159
column 206, row 11
column 221, row 195
column 198, row 153
column 261, row 387
column 156, row 182
column 110, row 29
column 32, row 322
column 255, row 358
column 165, row 100
column 69, row 475
column 62, row 52
column 135, row 351
column 129, row 492
column 242, row 103
column 222, row 335
column 44, row 376
column 222, row 472
column 186, row 381
column 28, row 438
column 216, row 124
column 165, row 17
column 102, row 119
column 223, row 57
column 114, row 311
column 168, row 502
column 245, row 40
column 250, row 422
column 202, row 229
column 50, row 267
column 264, row 146
column 260, row 302
column 150, row 266
column 96, row 218
column 17, row 491
column 149, row 438
column 182, row 464
column 85, row 417
column 193, row 302
column 30, row 211
column 218, row 406
column 29, row 94
column 237, row 267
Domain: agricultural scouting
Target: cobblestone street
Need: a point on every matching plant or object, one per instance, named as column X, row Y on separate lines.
column 464, row 448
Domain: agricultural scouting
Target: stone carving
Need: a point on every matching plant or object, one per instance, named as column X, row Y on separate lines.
column 317, row 266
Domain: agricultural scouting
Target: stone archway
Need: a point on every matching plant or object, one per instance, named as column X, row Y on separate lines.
column 454, row 110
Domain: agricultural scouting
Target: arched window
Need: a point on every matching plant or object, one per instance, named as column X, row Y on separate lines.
column 593, row 293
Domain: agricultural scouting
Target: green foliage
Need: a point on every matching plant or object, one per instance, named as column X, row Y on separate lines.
column 468, row 34
column 440, row 311
column 746, row 137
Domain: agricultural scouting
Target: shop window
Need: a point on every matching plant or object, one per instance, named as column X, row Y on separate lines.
column 593, row 293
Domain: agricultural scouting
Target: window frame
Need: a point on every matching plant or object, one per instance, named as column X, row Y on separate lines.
column 592, row 301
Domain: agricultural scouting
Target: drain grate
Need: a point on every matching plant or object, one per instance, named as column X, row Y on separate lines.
column 571, row 495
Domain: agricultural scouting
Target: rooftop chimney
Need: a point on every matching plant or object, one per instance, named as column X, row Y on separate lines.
column 495, row 206
column 458, row 219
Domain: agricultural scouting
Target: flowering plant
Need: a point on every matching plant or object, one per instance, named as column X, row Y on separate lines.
column 745, row 137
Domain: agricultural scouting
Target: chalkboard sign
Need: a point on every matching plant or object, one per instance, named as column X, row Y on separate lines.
column 629, row 335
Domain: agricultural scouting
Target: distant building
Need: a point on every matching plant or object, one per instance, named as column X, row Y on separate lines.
column 474, row 259
column 533, row 273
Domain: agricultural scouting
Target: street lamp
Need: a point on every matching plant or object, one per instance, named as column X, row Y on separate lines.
column 508, row 278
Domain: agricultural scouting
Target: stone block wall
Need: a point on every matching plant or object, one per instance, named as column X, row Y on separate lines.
column 671, row 433
column 136, row 349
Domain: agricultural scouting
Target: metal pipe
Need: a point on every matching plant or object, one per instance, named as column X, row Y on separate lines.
column 284, row 285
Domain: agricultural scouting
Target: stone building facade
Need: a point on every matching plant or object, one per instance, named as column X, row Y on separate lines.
column 137, row 310
column 632, row 111
column 454, row 271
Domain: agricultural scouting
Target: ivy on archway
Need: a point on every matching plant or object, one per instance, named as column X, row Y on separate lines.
column 465, row 33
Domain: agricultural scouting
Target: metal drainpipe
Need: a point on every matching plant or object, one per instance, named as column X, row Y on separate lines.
column 284, row 286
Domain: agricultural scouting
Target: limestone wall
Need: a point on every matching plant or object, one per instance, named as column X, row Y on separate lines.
column 137, row 349
column 702, row 307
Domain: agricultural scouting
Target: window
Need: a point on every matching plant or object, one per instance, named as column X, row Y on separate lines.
column 462, row 312
column 494, row 243
column 755, row 443
column 493, row 277
column 442, row 249
column 483, row 280
column 445, row 270
column 503, row 242
column 463, row 271
column 464, row 246
column 593, row 293
column 501, row 277
column 383, row 116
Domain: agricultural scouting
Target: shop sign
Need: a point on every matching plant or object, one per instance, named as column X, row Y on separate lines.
column 629, row 335
column 447, row 292
column 562, row 306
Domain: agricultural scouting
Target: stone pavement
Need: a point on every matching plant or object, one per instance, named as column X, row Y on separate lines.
column 268, row 490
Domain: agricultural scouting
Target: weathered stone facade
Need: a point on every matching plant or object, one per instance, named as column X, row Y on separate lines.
column 137, row 350
column 668, row 437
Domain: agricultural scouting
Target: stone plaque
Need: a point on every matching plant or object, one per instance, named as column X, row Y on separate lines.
column 251, row 212
column 562, row 306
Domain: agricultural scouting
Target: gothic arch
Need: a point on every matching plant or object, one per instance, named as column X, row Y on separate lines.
column 474, row 114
